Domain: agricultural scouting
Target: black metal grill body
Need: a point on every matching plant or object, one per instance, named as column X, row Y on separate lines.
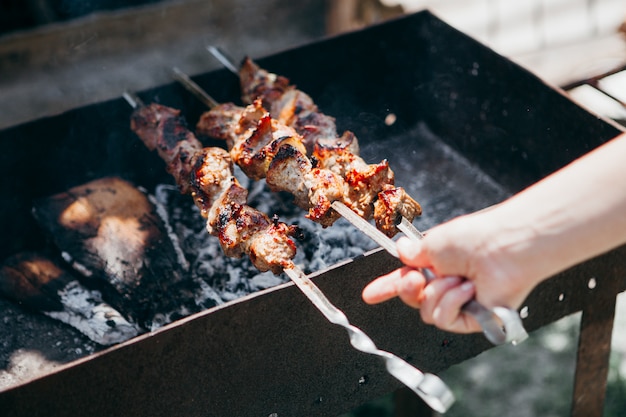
column 272, row 352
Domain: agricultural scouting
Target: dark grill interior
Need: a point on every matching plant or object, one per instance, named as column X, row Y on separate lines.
column 471, row 129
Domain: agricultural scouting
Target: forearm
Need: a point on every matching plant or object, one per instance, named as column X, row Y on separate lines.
column 574, row 214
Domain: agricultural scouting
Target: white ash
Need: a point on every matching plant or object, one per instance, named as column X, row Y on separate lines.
column 85, row 311
column 162, row 213
column 232, row 278
column 78, row 267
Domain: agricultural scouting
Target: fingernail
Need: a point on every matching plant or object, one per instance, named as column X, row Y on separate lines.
column 404, row 244
column 453, row 280
column 467, row 286
column 407, row 285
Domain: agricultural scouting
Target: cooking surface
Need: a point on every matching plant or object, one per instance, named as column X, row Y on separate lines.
column 445, row 183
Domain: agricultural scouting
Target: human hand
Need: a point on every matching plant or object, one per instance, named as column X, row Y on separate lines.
column 503, row 252
column 472, row 247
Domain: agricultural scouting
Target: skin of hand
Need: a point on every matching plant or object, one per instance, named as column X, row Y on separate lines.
column 503, row 252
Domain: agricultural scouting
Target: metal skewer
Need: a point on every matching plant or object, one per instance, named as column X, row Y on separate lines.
column 228, row 62
column 224, row 59
column 500, row 325
column 191, row 86
column 429, row 387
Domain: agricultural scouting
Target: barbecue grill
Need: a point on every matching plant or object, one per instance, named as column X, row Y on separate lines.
column 471, row 128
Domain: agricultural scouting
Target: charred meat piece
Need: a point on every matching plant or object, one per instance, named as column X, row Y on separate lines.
column 393, row 204
column 251, row 135
column 314, row 182
column 364, row 181
column 312, row 188
column 207, row 175
column 256, row 83
column 287, row 104
column 165, row 130
column 338, row 153
column 266, row 148
column 43, row 285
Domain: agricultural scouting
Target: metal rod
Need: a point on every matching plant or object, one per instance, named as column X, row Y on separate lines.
column 132, row 99
column 366, row 227
column 492, row 321
column 406, row 227
column 429, row 387
column 191, row 86
column 224, row 59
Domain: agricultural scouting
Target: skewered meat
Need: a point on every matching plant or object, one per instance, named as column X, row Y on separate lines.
column 392, row 204
column 312, row 188
column 207, row 173
column 288, row 105
column 337, row 153
column 265, row 148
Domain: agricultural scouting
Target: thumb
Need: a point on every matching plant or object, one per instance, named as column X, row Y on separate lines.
column 412, row 252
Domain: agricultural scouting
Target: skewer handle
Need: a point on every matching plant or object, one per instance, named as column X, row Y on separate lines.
column 429, row 387
column 500, row 325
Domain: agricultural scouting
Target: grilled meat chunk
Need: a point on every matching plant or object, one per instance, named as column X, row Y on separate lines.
column 207, row 175
column 271, row 150
column 393, row 204
column 338, row 153
column 288, row 105
column 313, row 188
column 164, row 129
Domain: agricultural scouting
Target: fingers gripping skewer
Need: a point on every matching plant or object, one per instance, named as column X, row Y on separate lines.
column 429, row 387
column 500, row 325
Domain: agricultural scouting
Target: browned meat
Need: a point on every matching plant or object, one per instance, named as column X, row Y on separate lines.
column 393, row 204
column 222, row 123
column 339, row 154
column 287, row 104
column 313, row 188
column 271, row 150
column 257, row 83
column 162, row 128
column 207, row 174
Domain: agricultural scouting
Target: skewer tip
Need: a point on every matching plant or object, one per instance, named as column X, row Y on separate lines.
column 224, row 59
column 132, row 99
column 193, row 88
